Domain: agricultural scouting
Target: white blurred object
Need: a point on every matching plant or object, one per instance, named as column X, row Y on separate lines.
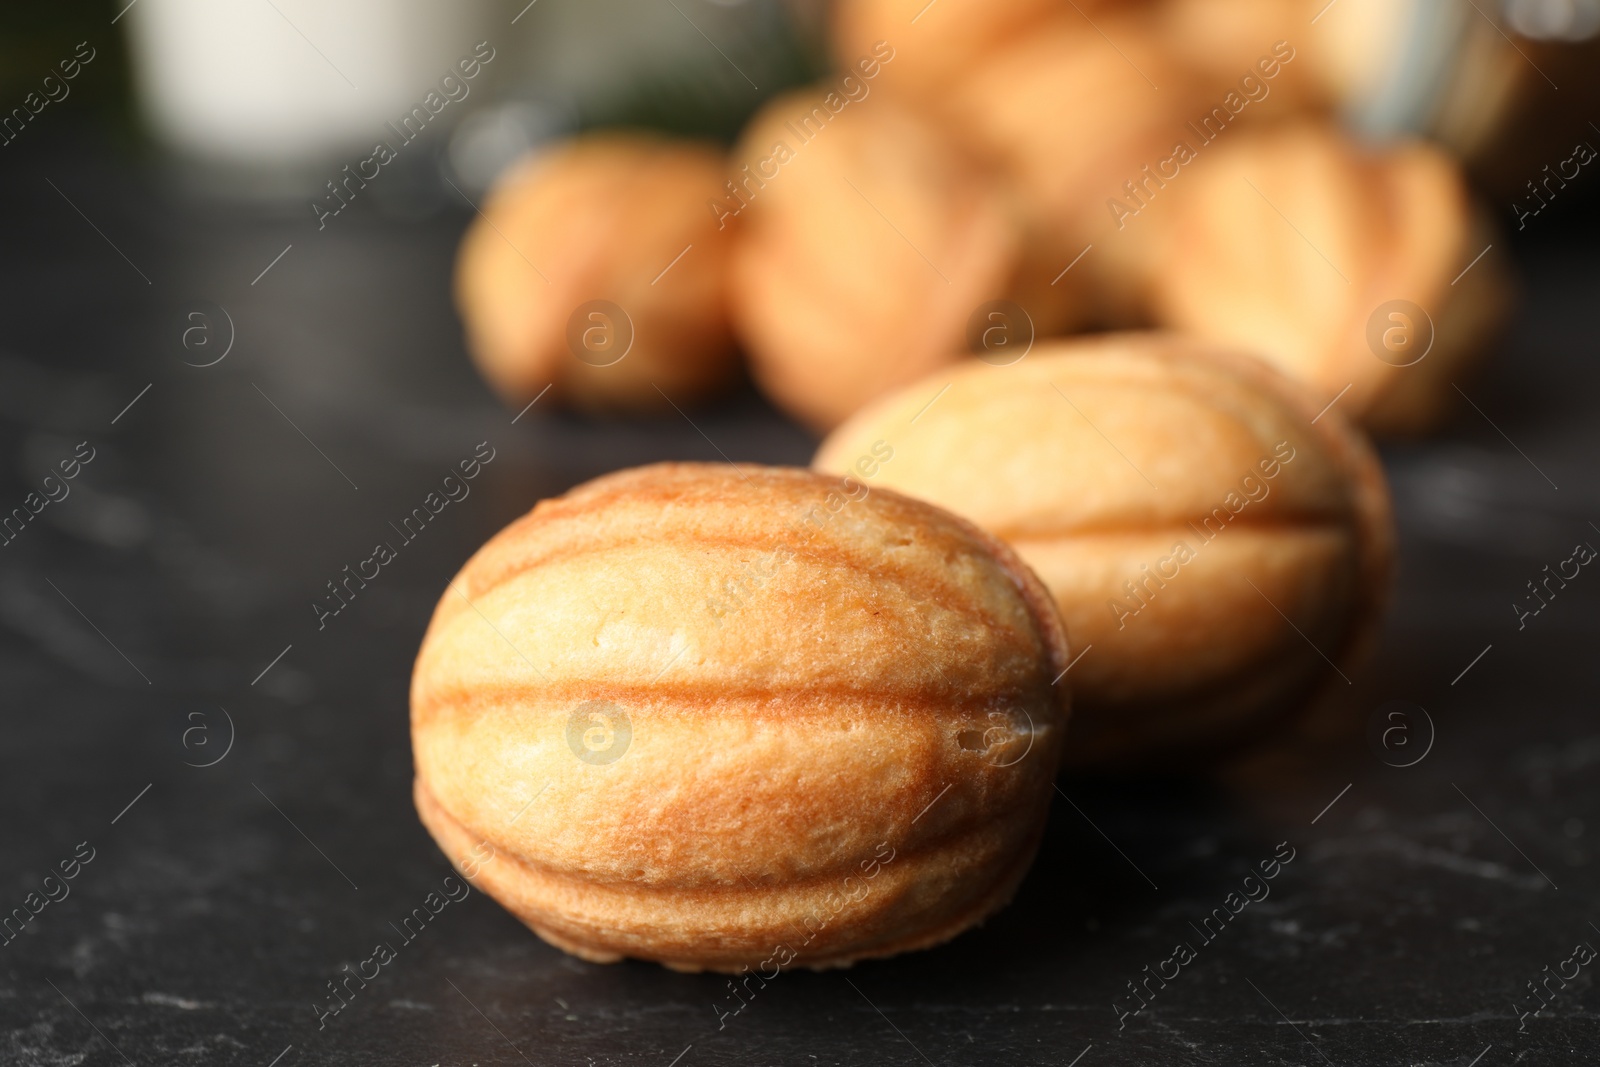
column 1554, row 20
column 280, row 85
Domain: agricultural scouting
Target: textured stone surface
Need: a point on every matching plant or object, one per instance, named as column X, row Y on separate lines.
column 220, row 904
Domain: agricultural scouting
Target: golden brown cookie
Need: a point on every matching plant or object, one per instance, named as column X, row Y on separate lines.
column 921, row 47
column 600, row 267
column 1339, row 263
column 1214, row 552
column 741, row 718
column 1265, row 51
column 867, row 243
column 1069, row 113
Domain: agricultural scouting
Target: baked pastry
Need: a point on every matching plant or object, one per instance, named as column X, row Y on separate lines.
column 1216, row 555
column 923, row 46
column 729, row 718
column 1343, row 265
column 1069, row 114
column 1066, row 114
column 597, row 267
column 867, row 244
column 1262, row 51
column 935, row 44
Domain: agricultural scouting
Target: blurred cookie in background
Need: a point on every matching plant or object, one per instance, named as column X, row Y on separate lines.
column 1348, row 266
column 867, row 241
column 597, row 269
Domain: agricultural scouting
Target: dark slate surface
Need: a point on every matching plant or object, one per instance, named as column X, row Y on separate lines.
column 140, row 613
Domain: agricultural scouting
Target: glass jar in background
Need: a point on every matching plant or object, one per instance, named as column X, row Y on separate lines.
column 1498, row 82
column 1501, row 84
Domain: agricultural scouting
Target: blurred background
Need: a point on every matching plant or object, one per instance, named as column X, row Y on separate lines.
column 265, row 390
column 251, row 100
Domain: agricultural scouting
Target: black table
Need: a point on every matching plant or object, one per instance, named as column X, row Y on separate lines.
column 241, row 778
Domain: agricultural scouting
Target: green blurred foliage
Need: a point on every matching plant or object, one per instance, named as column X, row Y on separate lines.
column 35, row 37
column 709, row 100
column 707, row 93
